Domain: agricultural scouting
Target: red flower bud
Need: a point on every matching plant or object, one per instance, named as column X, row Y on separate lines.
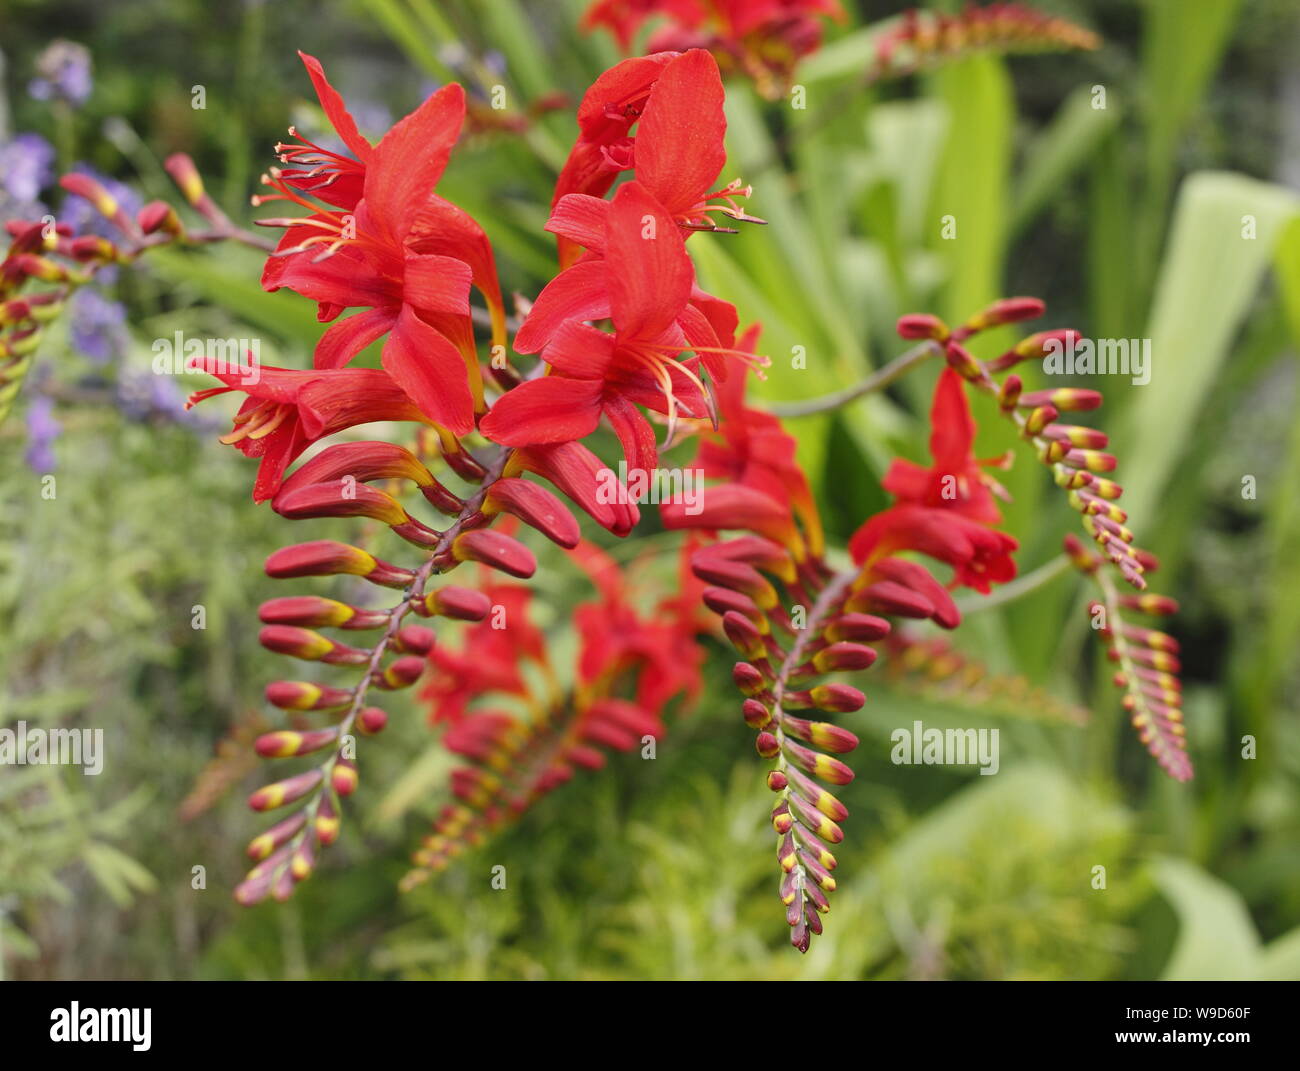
column 458, row 603
column 536, row 507
column 280, row 793
column 921, row 326
column 499, row 551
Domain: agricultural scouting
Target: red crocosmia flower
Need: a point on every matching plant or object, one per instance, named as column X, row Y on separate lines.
column 398, row 251
column 763, row 38
column 980, row 556
column 620, row 646
column 677, row 154
column 585, row 291
column 954, row 481
column 491, row 658
column 605, row 116
column 646, row 293
column 332, row 177
column 751, row 448
column 623, row 18
column 288, row 409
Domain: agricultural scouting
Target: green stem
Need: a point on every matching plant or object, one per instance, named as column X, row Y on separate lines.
column 877, row 381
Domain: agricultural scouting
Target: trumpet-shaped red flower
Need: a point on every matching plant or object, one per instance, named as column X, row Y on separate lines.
column 677, row 154
column 657, row 650
column 980, row 556
column 608, row 111
column 752, row 449
column 954, row 481
column 646, row 292
column 491, row 658
column 288, row 409
column 392, row 247
column 764, row 38
column 944, row 511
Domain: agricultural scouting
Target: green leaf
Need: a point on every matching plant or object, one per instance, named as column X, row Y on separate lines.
column 1216, row 940
column 1058, row 152
column 1208, row 282
column 1280, row 959
column 236, row 290
column 973, row 181
column 1182, row 46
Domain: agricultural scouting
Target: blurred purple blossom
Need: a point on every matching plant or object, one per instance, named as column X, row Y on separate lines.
column 145, row 396
column 26, row 167
column 42, row 431
column 98, row 326
column 62, row 73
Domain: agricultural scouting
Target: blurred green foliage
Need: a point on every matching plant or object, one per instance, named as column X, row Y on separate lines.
column 1126, row 219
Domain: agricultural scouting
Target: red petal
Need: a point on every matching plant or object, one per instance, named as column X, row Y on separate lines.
column 952, row 428
column 701, row 337
column 580, row 351
column 441, row 227
column 578, row 293
column 411, row 158
column 907, row 480
column 431, row 371
column 581, row 218
column 345, row 339
column 679, row 142
column 552, row 409
column 342, row 280
column 603, row 111
column 347, row 397
column 634, row 432
column 437, row 284
column 650, row 274
column 576, row 471
column 278, row 450
column 335, row 110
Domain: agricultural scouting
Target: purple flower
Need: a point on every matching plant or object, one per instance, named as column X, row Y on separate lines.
column 42, row 431
column 26, row 167
column 98, row 326
column 62, row 73
column 144, row 396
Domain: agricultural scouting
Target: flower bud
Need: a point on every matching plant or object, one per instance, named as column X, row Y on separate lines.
column 536, row 507
column 269, row 797
column 286, row 743
column 371, row 720
column 458, row 603
column 1006, row 311
column 922, row 326
column 1065, row 399
column 343, row 778
column 494, row 549
column 159, row 216
column 843, row 656
column 279, row 834
column 404, row 672
column 324, row 557
column 303, row 695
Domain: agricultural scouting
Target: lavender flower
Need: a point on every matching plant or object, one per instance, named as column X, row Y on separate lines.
column 26, row 167
column 42, row 431
column 143, row 396
column 62, row 73
column 98, row 326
